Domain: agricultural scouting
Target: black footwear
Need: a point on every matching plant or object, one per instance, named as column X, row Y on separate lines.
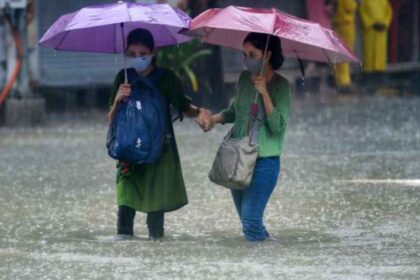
column 125, row 221
column 155, row 222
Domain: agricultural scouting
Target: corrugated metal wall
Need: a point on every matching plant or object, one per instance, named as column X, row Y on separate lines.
column 67, row 68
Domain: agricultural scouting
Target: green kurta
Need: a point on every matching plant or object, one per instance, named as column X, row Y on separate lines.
column 273, row 128
column 158, row 186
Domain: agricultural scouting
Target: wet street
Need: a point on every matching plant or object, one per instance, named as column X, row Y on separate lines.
column 346, row 205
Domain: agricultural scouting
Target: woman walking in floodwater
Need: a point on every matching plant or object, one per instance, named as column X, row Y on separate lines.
column 273, row 102
column 153, row 188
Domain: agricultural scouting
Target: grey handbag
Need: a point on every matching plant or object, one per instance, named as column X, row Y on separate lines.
column 235, row 160
column 234, row 163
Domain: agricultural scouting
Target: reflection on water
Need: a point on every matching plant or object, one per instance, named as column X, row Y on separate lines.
column 346, row 206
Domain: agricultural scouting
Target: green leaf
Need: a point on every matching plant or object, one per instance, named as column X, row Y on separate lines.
column 193, row 78
column 197, row 55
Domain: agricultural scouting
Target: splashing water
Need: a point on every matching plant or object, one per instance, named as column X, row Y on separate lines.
column 346, row 205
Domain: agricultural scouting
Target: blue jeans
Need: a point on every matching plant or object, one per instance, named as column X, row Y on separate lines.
column 251, row 202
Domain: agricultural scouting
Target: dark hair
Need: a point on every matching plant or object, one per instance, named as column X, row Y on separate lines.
column 259, row 40
column 141, row 36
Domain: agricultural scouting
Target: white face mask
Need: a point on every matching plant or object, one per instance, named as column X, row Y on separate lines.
column 140, row 63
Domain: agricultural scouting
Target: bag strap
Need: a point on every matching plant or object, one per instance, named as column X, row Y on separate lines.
column 152, row 80
column 256, row 116
column 156, row 74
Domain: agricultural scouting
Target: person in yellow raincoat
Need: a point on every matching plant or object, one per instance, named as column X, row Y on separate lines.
column 376, row 16
column 344, row 25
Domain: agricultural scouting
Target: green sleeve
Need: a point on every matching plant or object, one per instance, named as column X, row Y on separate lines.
column 277, row 121
column 175, row 92
column 117, row 81
column 229, row 113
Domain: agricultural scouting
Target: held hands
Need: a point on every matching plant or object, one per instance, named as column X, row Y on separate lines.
column 123, row 92
column 204, row 120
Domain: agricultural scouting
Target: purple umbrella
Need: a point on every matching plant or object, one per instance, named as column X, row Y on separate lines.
column 104, row 28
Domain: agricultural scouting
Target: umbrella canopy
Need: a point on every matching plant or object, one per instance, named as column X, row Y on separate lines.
column 338, row 43
column 300, row 38
column 104, row 28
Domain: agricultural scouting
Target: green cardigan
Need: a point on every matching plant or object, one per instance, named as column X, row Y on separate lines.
column 273, row 128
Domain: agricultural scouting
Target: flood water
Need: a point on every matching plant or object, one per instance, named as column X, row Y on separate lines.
column 346, row 205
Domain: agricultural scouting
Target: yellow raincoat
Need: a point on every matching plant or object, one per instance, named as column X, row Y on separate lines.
column 375, row 41
column 343, row 23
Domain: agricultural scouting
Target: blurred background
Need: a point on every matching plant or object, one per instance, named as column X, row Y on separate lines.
column 346, row 205
column 63, row 82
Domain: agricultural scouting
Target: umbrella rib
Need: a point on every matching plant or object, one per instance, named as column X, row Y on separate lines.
column 115, row 38
column 336, row 57
column 62, row 40
column 128, row 13
column 274, row 23
column 326, row 55
column 172, row 36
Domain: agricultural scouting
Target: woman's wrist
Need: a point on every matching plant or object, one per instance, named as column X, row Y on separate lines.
column 116, row 102
column 213, row 119
column 265, row 94
column 217, row 118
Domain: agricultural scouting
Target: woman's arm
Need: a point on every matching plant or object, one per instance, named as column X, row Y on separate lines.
column 207, row 122
column 111, row 113
column 268, row 104
column 261, row 87
column 218, row 118
column 276, row 104
column 197, row 112
column 226, row 116
column 192, row 111
column 124, row 91
column 277, row 120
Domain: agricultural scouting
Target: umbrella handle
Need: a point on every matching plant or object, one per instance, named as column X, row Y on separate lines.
column 264, row 54
column 125, row 59
column 262, row 67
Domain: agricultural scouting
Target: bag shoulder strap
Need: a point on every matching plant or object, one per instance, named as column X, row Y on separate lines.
column 152, row 79
column 256, row 117
column 157, row 74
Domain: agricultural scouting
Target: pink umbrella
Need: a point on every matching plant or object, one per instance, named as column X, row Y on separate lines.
column 341, row 45
column 300, row 38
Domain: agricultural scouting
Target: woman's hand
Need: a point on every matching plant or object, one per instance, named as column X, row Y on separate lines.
column 123, row 92
column 205, row 120
column 261, row 85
